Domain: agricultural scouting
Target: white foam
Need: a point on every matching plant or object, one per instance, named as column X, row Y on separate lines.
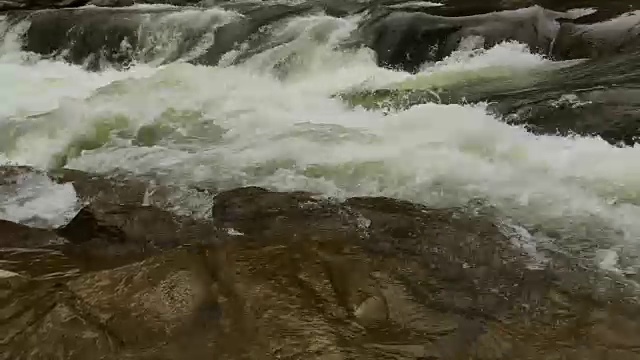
column 234, row 232
column 33, row 199
column 244, row 125
column 508, row 54
column 161, row 37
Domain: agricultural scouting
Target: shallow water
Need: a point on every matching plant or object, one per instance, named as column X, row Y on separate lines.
column 272, row 121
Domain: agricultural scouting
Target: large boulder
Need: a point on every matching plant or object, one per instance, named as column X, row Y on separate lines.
column 295, row 275
column 406, row 40
column 611, row 37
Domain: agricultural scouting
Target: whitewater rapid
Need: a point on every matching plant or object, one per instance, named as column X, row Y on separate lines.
column 273, row 121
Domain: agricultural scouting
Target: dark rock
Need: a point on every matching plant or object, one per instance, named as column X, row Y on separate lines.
column 14, row 235
column 406, row 40
column 107, row 234
column 111, row 3
column 12, row 5
column 615, row 36
column 6, row 5
column 90, row 36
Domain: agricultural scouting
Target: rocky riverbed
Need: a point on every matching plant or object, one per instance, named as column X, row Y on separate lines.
column 291, row 275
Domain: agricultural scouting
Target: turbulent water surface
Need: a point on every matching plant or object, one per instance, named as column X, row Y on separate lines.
column 267, row 115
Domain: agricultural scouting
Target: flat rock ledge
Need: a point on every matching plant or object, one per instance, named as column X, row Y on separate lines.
column 275, row 275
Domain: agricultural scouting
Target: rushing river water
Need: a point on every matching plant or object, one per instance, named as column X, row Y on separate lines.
column 272, row 120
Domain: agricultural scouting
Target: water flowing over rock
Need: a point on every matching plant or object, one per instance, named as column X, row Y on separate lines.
column 407, row 40
column 97, row 37
column 293, row 275
column 566, row 101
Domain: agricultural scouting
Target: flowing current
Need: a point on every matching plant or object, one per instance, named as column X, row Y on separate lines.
column 272, row 120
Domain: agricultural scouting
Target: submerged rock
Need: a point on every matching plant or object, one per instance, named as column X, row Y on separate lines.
column 294, row 275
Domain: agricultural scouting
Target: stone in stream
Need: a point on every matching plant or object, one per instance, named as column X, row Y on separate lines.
column 601, row 39
column 293, row 275
column 401, row 37
column 117, row 234
column 406, row 40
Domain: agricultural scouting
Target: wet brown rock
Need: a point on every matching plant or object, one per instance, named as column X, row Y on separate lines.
column 31, row 252
column 104, row 235
column 294, row 276
column 14, row 235
column 432, row 283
